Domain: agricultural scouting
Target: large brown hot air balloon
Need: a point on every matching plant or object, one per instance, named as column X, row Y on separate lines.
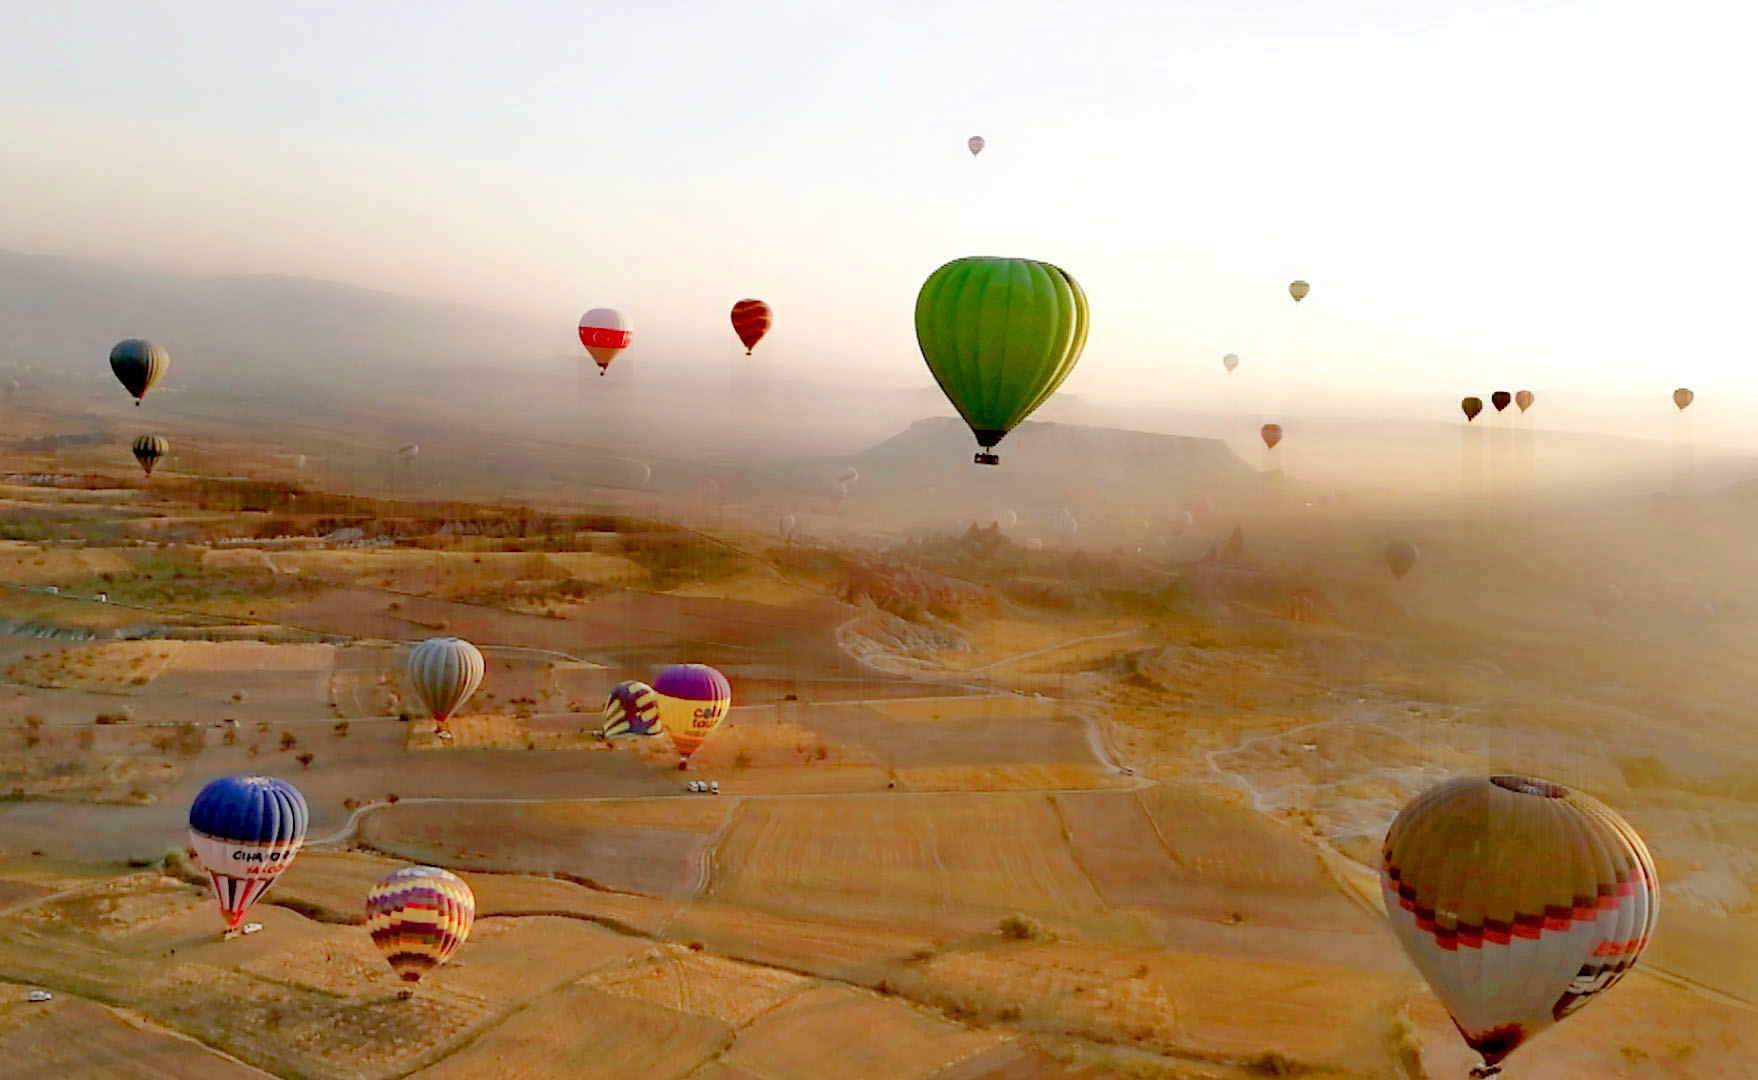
column 1523, row 399
column 1272, row 434
column 1472, row 407
column 1518, row 900
column 1683, row 397
column 1501, row 399
column 750, row 320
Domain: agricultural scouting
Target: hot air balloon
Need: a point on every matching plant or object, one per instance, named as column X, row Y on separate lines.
column 245, row 831
column 1298, row 290
column 1272, row 434
column 787, row 525
column 1181, row 521
column 836, row 494
column 1008, row 519
column 1501, row 399
column 1064, row 523
column 139, row 365
column 631, row 710
column 1401, row 557
column 999, row 335
column 976, row 144
column 409, row 452
column 445, row 671
column 1518, row 900
column 646, row 473
column 693, row 699
column 1523, row 399
column 849, row 475
column 605, row 333
column 1230, row 361
column 1683, row 397
column 750, row 320
column 1605, row 599
column 148, row 449
column 418, row 916
column 1472, row 407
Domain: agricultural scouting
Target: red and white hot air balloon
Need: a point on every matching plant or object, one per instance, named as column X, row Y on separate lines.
column 605, row 333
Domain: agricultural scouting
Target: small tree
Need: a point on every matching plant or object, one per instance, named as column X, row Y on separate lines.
column 230, row 737
column 392, row 797
column 254, row 750
column 34, row 722
column 341, row 729
column 742, row 761
column 288, row 742
column 306, row 759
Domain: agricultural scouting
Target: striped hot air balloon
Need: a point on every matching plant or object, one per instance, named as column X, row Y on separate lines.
column 138, row 365
column 148, row 449
column 605, row 332
column 245, row 831
column 445, row 672
column 418, row 916
column 631, row 710
column 750, row 320
column 693, row 700
column 1518, row 900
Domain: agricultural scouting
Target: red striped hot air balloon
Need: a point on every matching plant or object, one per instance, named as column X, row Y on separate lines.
column 418, row 916
column 750, row 320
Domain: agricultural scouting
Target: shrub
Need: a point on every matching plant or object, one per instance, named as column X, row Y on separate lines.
column 341, row 729
column 305, row 759
column 743, row 761
column 288, row 742
column 1019, row 928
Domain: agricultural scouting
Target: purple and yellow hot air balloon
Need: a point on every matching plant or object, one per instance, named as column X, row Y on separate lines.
column 693, row 700
column 1518, row 900
column 632, row 710
column 418, row 916
column 245, row 831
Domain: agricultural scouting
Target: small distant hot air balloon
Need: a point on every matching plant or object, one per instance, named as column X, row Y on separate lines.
column 1272, row 434
column 787, row 525
column 605, row 333
column 1182, row 521
column 646, row 473
column 1683, row 397
column 976, row 144
column 693, row 700
column 837, row 493
column 1523, row 399
column 445, row 672
column 1064, row 523
column 1605, row 599
column 1401, row 557
column 1501, row 399
column 245, row 831
column 1230, row 361
column 1518, row 900
column 1298, row 290
column 849, row 475
column 139, row 365
column 148, row 449
column 750, row 320
column 632, row 710
column 999, row 336
column 418, row 916
column 1007, row 519
column 1472, row 406
column 409, row 452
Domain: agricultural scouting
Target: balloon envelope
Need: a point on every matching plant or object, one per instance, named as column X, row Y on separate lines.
column 445, row 672
column 750, row 321
column 605, row 332
column 1501, row 399
column 1272, row 434
column 1683, row 397
column 1401, row 557
column 693, row 700
column 631, row 710
column 1518, row 900
column 999, row 336
column 1472, row 406
column 1523, row 399
column 138, row 365
column 245, row 831
column 148, row 449
column 1298, row 290
column 976, row 144
column 418, row 916
column 1230, row 361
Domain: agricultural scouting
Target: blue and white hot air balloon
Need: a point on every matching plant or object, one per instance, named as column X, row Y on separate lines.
column 245, row 831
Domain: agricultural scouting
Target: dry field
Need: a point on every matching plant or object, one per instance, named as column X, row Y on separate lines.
column 79, row 1040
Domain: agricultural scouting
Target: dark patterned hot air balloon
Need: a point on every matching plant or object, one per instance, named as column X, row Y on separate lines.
column 148, row 449
column 1272, row 434
column 999, row 336
column 418, row 916
column 1501, row 399
column 1518, row 900
column 750, row 320
column 632, row 710
column 245, row 831
column 693, row 700
column 445, row 672
column 139, row 365
column 1472, row 407
column 1683, row 397
column 1523, row 399
column 1401, row 557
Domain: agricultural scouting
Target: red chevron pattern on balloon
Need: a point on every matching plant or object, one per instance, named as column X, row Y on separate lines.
column 750, row 320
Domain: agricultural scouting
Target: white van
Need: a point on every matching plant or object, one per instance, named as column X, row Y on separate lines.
column 714, row 786
column 41, row 995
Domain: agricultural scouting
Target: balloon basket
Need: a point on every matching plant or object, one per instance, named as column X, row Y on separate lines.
column 985, row 457
column 406, row 993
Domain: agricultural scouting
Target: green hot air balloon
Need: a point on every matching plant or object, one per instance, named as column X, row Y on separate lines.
column 1000, row 335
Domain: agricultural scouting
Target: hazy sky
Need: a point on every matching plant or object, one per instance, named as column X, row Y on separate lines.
column 1483, row 195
